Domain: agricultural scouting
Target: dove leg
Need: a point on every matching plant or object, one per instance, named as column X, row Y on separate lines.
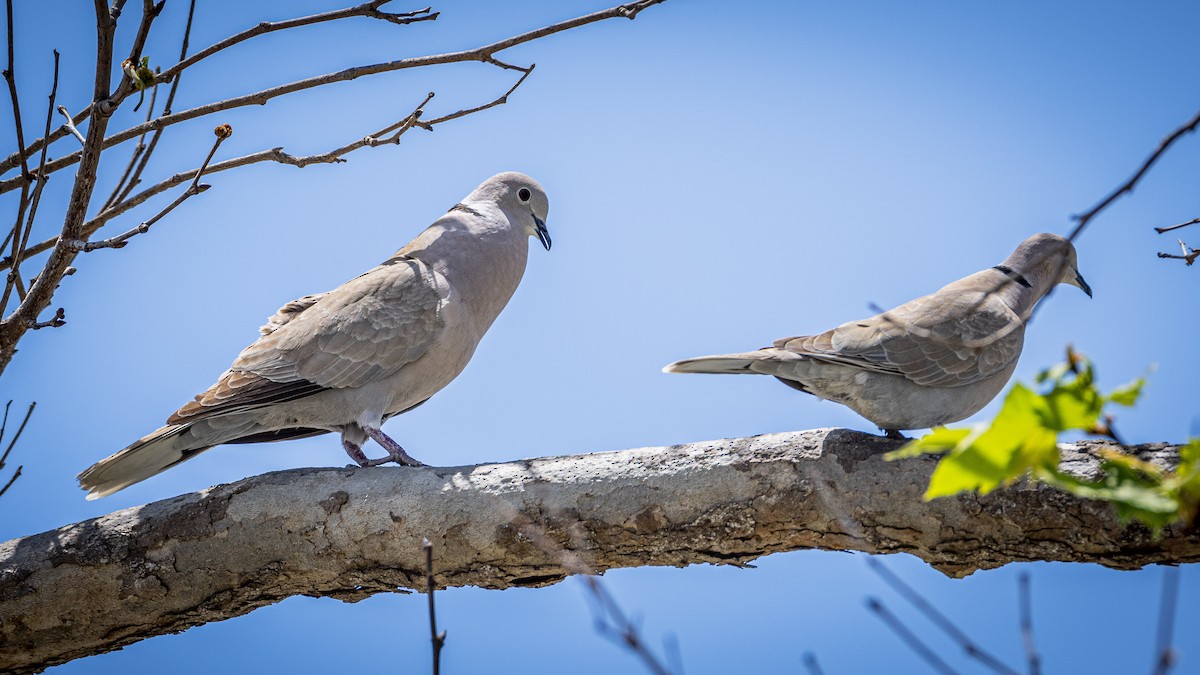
column 894, row 433
column 356, row 453
column 393, row 448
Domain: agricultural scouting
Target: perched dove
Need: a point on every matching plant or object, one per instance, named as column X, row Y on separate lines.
column 934, row 360
column 376, row 346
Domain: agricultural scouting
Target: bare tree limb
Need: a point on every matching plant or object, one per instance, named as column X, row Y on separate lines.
column 1082, row 220
column 1025, row 608
column 222, row 132
column 172, row 73
column 484, row 54
column 350, row 532
column 1162, row 230
column 909, row 638
column 10, row 77
column 436, row 639
column 969, row 646
column 1189, row 255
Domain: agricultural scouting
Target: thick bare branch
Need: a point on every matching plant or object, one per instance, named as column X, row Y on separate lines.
column 484, row 54
column 349, row 532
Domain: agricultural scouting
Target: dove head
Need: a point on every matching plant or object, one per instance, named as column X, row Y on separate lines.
column 1047, row 260
column 521, row 198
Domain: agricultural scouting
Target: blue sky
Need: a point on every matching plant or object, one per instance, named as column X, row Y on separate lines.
column 720, row 175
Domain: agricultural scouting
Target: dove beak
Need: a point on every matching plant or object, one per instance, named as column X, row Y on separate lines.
column 1083, row 285
column 543, row 234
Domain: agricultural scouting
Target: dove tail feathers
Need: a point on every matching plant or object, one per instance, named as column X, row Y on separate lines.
column 725, row 364
column 146, row 457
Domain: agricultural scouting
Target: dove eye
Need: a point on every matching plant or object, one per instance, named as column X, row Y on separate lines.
column 524, row 194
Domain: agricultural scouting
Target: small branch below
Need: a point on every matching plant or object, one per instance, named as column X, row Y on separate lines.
column 1162, row 230
column 1189, row 255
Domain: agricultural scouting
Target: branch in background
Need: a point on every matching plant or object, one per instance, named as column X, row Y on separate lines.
column 13, row 442
column 1025, row 609
column 70, row 126
column 13, row 280
column 222, row 132
column 1167, row 656
column 484, row 54
column 1162, row 230
column 331, row 532
column 437, row 639
column 1128, row 186
column 1189, row 255
column 909, row 638
column 938, row 619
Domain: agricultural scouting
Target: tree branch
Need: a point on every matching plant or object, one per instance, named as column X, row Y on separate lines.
column 484, row 54
column 347, row 533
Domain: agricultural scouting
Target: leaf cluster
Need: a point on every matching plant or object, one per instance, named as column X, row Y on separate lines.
column 1022, row 440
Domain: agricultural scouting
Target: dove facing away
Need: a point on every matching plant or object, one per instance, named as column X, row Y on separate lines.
column 378, row 345
column 934, row 360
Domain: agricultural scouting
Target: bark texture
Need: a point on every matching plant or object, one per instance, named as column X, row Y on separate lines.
column 97, row 585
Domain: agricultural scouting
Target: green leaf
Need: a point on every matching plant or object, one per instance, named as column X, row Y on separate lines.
column 1128, row 394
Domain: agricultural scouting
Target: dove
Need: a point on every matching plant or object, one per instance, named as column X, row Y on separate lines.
column 931, row 361
column 346, row 360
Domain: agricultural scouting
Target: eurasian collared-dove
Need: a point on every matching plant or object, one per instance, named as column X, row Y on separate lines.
column 934, row 360
column 376, row 346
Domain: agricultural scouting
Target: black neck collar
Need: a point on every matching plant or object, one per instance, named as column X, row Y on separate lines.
column 1014, row 275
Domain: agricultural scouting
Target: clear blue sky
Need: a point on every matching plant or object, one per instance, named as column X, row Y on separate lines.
column 720, row 175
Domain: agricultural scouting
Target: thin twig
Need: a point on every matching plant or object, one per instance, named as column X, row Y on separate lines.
column 1166, row 622
column 136, row 178
column 41, row 184
column 273, row 155
column 1188, row 257
column 172, row 73
column 69, row 125
column 138, row 149
column 484, row 54
column 119, row 241
column 909, row 638
column 10, row 76
column 4, row 457
column 1026, row 612
column 15, row 476
column 1129, row 185
column 436, row 638
column 500, row 100
column 1162, row 230
column 940, row 620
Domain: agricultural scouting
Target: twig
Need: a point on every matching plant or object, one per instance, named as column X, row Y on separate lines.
column 913, row 597
column 15, row 476
column 138, row 149
column 172, row 73
column 909, row 638
column 500, row 100
column 222, row 132
column 1128, row 186
column 438, row 639
column 1026, row 612
column 58, row 321
column 1188, row 257
column 41, row 184
column 1167, row 655
column 482, row 54
column 14, row 277
column 69, row 125
column 136, row 178
column 1162, row 230
column 4, row 457
column 273, row 155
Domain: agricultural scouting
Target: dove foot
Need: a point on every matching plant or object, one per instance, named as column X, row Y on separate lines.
column 395, row 452
column 894, row 433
